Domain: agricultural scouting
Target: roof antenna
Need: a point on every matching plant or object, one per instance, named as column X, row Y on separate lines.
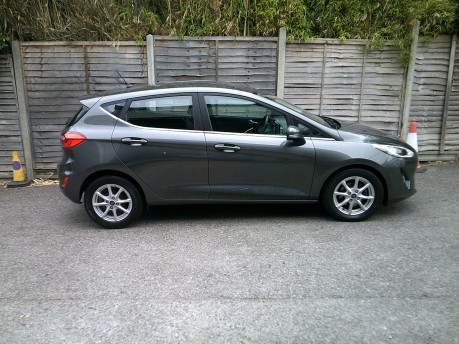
column 127, row 83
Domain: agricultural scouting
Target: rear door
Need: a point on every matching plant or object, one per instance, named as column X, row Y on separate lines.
column 160, row 139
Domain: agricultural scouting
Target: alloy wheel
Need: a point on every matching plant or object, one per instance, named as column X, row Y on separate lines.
column 112, row 202
column 354, row 195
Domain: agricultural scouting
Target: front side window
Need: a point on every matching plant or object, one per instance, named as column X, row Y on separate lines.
column 172, row 112
column 236, row 115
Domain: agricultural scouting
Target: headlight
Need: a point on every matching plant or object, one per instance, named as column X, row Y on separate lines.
column 397, row 151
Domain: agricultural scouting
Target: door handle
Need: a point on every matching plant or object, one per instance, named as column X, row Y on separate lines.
column 227, row 148
column 133, row 141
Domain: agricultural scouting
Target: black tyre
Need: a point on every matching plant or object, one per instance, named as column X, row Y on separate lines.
column 353, row 195
column 113, row 202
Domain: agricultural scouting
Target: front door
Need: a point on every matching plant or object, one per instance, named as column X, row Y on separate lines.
column 249, row 155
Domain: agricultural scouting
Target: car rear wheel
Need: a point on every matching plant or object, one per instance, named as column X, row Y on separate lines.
column 113, row 202
column 352, row 195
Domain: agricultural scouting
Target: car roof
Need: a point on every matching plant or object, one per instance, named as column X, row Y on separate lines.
column 172, row 85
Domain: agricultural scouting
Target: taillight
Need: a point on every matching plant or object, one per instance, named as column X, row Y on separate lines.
column 72, row 139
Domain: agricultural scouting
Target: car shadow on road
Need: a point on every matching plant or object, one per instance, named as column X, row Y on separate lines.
column 232, row 211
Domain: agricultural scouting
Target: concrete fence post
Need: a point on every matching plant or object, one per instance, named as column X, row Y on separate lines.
column 281, row 47
column 409, row 82
column 151, row 60
column 24, row 119
column 322, row 79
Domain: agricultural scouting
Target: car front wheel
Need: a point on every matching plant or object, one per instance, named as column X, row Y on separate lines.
column 352, row 195
column 112, row 202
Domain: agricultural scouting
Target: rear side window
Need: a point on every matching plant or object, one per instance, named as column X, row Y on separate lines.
column 78, row 116
column 173, row 112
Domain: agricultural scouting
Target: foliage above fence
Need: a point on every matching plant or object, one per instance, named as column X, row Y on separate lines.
column 35, row 20
column 51, row 20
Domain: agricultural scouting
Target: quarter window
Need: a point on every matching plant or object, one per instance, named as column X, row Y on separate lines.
column 236, row 115
column 175, row 112
column 114, row 108
column 307, row 130
column 78, row 116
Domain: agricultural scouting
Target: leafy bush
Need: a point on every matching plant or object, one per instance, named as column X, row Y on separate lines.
column 373, row 20
column 3, row 41
column 269, row 15
column 36, row 20
column 3, row 30
column 379, row 21
column 235, row 18
column 436, row 16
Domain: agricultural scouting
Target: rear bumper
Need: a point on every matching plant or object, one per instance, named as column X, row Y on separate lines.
column 73, row 185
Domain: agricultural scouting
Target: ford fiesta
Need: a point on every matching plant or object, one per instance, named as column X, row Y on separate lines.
column 212, row 143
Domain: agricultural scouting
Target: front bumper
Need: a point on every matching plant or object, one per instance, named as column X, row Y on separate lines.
column 400, row 180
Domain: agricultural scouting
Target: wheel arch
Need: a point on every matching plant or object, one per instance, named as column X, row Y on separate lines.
column 105, row 173
column 363, row 167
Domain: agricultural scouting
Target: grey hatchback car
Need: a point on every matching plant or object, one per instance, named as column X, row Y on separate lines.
column 213, row 143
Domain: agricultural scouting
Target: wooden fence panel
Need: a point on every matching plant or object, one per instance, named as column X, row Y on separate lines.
column 55, row 79
column 304, row 63
column 248, row 63
column 108, row 66
column 58, row 74
column 185, row 60
column 342, row 81
column 10, row 134
column 237, row 61
column 452, row 124
column 382, row 89
column 429, row 87
column 346, row 80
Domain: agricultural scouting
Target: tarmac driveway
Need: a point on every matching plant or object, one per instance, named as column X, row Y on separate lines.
column 232, row 274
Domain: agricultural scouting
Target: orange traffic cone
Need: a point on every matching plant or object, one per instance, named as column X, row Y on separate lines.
column 412, row 140
column 19, row 178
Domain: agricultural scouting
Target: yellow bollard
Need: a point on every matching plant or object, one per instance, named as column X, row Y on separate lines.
column 19, row 178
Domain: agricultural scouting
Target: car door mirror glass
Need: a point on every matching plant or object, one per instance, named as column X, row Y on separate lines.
column 294, row 133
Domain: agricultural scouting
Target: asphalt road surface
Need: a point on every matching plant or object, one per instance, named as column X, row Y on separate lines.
column 232, row 274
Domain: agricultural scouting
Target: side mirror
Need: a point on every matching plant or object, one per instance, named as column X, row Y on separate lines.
column 294, row 133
